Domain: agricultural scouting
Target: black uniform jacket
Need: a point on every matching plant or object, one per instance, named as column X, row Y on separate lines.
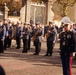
column 67, row 43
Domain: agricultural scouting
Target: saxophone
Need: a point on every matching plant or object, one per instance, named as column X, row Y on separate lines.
column 34, row 37
column 1, row 29
column 10, row 36
column 48, row 34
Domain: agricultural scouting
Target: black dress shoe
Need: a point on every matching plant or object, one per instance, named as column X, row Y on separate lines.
column 8, row 46
column 24, row 52
column 5, row 48
column 17, row 47
column 46, row 55
column 50, row 55
column 35, row 54
column 1, row 52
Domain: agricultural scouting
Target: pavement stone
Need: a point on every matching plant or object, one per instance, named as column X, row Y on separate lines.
column 14, row 62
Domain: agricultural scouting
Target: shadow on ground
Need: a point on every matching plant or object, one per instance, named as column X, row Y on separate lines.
column 29, row 57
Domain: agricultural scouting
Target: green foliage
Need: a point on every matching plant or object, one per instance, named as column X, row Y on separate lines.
column 12, row 5
column 40, row 1
column 65, row 4
column 16, row 5
column 4, row 1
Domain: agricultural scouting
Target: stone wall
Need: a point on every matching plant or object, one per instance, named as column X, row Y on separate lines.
column 14, row 19
column 6, row 12
column 22, row 14
column 25, row 12
column 53, row 12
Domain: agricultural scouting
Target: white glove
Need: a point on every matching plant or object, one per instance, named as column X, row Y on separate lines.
column 53, row 41
column 58, row 39
column 23, row 33
column 21, row 36
column 2, row 39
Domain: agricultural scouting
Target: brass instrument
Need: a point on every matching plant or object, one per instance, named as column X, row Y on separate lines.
column 34, row 37
column 25, row 33
column 1, row 29
column 14, row 32
column 10, row 37
column 48, row 33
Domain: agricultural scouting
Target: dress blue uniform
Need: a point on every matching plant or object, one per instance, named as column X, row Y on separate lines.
column 29, row 40
column 25, row 40
column 10, row 35
column 1, row 38
column 18, row 36
column 37, row 41
column 6, row 36
column 50, row 40
column 67, row 46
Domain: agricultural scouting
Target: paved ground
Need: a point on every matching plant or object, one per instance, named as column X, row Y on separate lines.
column 16, row 63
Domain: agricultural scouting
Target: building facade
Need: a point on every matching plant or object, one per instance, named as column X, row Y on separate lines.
column 37, row 12
column 44, row 12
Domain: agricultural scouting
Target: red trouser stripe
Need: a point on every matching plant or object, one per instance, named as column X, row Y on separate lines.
column 71, row 65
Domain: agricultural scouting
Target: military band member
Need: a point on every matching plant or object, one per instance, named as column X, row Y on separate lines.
column 2, row 36
column 25, row 34
column 10, row 34
column 29, row 36
column 61, row 27
column 67, row 47
column 18, row 35
column 5, row 24
column 37, row 39
column 74, row 30
column 50, row 37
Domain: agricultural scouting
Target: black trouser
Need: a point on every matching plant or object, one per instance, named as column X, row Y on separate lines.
column 29, row 41
column 37, row 45
column 9, row 41
column 49, row 47
column 25, row 46
column 1, row 46
column 18, row 41
column 65, row 64
column 5, row 43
